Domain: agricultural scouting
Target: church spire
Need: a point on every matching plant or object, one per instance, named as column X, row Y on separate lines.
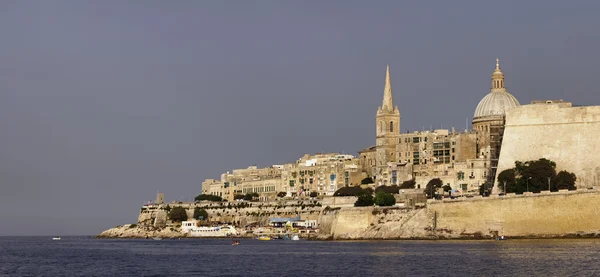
column 388, row 100
column 497, row 77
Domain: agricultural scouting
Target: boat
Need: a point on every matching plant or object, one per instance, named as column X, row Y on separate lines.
column 235, row 242
column 157, row 238
column 193, row 229
column 501, row 238
column 295, row 237
column 264, row 238
column 56, row 238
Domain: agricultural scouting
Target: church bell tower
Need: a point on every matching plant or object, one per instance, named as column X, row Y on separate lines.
column 387, row 132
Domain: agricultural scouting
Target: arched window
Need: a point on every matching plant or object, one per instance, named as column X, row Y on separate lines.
column 391, row 126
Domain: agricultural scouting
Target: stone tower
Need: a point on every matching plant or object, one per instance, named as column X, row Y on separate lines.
column 387, row 131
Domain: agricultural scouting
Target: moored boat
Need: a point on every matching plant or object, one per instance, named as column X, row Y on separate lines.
column 192, row 229
column 264, row 238
column 56, row 238
column 295, row 237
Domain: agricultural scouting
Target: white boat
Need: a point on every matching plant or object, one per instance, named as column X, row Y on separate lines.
column 157, row 238
column 193, row 230
column 56, row 238
column 295, row 237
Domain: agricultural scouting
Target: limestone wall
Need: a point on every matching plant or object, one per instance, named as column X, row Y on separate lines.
column 533, row 215
column 566, row 135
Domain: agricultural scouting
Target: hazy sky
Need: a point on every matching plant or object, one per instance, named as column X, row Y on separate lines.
column 102, row 103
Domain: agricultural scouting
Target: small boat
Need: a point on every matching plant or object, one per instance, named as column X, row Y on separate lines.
column 157, row 238
column 235, row 242
column 295, row 237
column 501, row 238
column 264, row 238
column 56, row 238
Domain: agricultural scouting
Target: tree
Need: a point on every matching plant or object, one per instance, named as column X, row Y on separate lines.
column 485, row 189
column 208, row 197
column 565, row 180
column 447, row 188
column 200, row 214
column 238, row 196
column 313, row 194
column 383, row 198
column 507, row 176
column 281, row 194
column 255, row 194
column 348, row 191
column 432, row 186
column 394, row 189
column 178, row 214
column 248, row 197
column 533, row 176
column 367, row 181
column 364, row 199
column 410, row 184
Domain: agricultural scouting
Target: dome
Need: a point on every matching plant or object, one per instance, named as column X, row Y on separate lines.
column 496, row 103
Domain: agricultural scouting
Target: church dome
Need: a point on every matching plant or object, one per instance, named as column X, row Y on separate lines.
column 498, row 101
column 495, row 103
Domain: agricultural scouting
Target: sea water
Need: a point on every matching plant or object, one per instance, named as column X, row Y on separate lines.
column 84, row 256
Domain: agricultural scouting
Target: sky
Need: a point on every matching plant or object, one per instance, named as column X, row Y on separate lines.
column 104, row 103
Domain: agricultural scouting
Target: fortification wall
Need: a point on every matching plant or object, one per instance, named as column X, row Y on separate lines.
column 241, row 213
column 555, row 214
column 563, row 134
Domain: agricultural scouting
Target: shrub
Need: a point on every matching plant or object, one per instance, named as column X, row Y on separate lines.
column 178, row 214
column 367, row 181
column 208, row 197
column 200, row 214
column 410, row 184
column 313, row 194
column 364, row 199
column 383, row 198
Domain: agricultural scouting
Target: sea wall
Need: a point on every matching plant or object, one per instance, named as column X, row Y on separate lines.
column 558, row 214
column 564, row 213
column 558, row 132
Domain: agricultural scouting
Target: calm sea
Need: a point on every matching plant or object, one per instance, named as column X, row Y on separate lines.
column 79, row 256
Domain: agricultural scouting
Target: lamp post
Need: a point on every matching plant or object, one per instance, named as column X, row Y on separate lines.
column 528, row 183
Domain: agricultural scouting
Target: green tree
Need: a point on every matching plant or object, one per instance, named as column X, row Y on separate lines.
column 432, row 186
column 383, row 198
column 485, row 189
column 238, row 196
column 348, row 191
column 248, row 197
column 200, row 214
column 364, row 199
column 178, row 214
column 564, row 180
column 447, row 188
column 313, row 194
column 507, row 176
column 208, row 197
column 393, row 189
column 281, row 194
column 410, row 184
column 367, row 181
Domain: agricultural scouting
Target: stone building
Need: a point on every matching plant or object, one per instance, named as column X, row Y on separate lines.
column 321, row 173
column 488, row 121
column 464, row 160
column 388, row 129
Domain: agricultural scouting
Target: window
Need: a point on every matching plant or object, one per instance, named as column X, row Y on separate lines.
column 391, row 126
